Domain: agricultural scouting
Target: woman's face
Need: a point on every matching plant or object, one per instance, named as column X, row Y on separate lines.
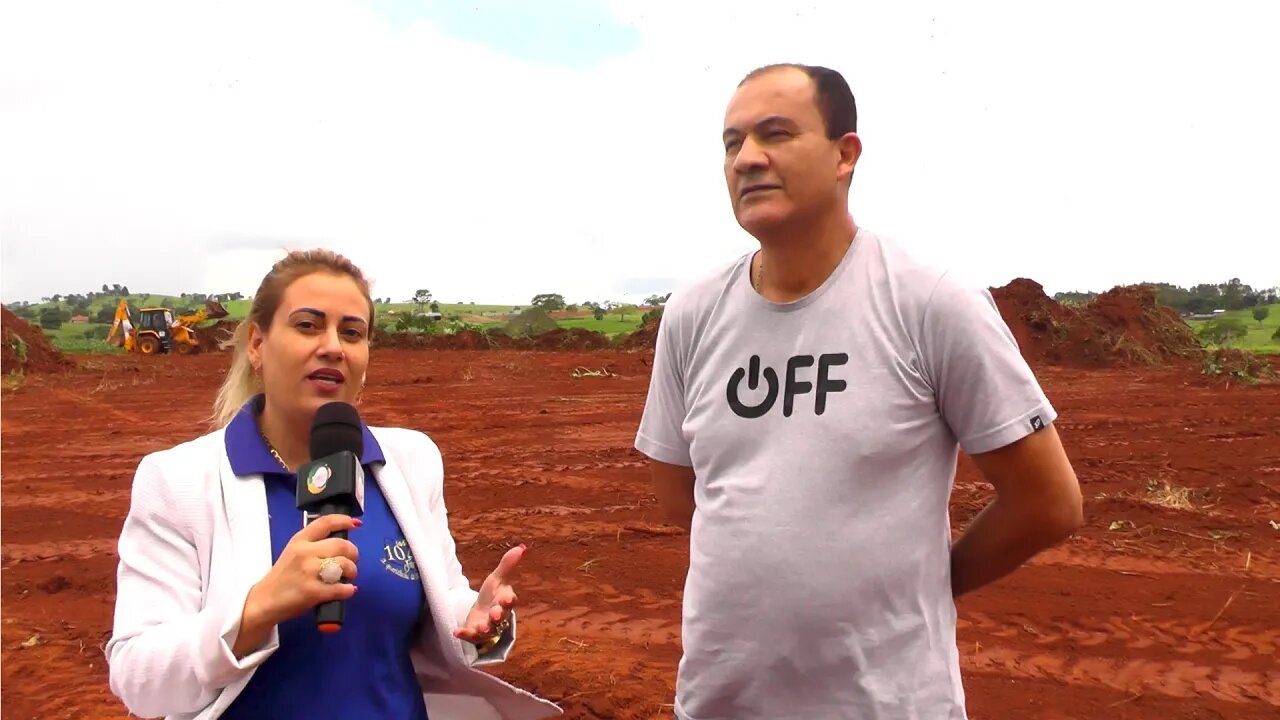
column 317, row 348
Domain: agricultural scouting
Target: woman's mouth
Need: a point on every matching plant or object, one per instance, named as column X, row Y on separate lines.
column 327, row 378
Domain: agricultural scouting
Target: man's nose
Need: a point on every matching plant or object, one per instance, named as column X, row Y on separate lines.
column 750, row 157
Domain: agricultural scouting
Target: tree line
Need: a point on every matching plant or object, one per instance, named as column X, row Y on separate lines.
column 1197, row 299
column 54, row 310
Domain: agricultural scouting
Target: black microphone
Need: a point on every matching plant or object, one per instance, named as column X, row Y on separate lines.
column 333, row 483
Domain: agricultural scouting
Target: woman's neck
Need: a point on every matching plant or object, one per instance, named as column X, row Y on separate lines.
column 291, row 444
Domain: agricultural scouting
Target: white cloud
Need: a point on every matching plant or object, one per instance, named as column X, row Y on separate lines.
column 1083, row 147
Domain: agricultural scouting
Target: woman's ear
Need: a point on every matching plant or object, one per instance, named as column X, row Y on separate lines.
column 253, row 348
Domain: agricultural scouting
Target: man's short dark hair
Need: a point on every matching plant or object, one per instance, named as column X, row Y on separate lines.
column 831, row 93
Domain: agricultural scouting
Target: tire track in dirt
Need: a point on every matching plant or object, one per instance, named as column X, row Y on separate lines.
column 1147, row 565
column 11, row 554
column 1168, row 638
column 100, row 406
column 547, row 524
column 580, row 621
column 67, row 499
column 1172, row 678
column 516, row 470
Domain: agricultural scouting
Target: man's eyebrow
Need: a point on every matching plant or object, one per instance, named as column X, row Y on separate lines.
column 770, row 120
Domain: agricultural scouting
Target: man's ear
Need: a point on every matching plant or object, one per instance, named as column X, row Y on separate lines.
column 850, row 147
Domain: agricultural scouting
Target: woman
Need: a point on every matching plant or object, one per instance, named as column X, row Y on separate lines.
column 218, row 576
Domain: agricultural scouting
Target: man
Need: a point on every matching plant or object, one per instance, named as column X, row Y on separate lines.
column 803, row 420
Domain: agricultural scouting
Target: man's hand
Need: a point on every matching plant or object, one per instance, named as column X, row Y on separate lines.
column 673, row 484
column 1038, row 504
column 494, row 601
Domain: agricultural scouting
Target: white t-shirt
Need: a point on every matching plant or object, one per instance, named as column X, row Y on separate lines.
column 823, row 434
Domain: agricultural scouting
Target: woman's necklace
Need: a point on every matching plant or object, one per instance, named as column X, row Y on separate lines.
column 271, row 448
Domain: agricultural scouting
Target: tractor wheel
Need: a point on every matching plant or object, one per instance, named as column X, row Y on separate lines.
column 149, row 345
column 185, row 348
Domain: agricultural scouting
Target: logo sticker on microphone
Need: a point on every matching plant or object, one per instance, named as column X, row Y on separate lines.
column 318, row 478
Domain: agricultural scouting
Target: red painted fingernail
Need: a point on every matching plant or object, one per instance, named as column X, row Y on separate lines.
column 357, row 522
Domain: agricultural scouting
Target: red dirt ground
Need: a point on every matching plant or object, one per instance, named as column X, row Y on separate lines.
column 1149, row 613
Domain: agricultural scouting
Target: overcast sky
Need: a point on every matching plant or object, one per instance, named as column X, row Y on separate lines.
column 489, row 151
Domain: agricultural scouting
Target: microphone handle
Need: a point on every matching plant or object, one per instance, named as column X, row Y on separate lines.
column 330, row 615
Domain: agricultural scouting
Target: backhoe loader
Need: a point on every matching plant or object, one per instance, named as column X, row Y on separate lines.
column 158, row 331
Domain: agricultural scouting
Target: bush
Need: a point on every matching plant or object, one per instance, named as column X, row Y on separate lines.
column 1223, row 331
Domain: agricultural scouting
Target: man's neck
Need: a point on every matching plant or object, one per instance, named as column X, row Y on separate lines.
column 293, row 446
column 798, row 260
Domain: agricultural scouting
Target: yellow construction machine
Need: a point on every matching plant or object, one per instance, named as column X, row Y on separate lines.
column 158, row 331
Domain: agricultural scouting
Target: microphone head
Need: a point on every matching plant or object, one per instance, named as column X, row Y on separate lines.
column 336, row 427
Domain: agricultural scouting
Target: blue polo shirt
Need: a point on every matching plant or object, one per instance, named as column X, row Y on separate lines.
column 363, row 670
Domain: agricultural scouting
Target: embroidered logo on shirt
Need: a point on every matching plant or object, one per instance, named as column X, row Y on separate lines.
column 397, row 558
column 1037, row 424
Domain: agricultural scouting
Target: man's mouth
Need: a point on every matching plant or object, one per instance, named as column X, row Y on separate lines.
column 757, row 187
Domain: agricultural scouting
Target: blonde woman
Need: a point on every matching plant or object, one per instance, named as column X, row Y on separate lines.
column 217, row 575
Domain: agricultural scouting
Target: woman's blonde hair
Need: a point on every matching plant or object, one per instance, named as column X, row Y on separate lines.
column 241, row 382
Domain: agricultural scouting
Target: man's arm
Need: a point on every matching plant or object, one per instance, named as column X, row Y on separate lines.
column 1038, row 504
column 673, row 484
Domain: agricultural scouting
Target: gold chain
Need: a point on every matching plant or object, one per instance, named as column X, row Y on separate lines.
column 271, row 448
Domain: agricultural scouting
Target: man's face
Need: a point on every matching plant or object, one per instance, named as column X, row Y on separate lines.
column 778, row 164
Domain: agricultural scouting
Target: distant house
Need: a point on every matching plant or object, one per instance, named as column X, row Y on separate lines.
column 80, row 319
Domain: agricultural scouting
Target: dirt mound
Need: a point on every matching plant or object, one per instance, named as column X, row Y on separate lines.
column 570, row 339
column 461, row 340
column 27, row 349
column 1123, row 326
column 211, row 336
column 1240, row 364
column 643, row 338
column 495, row 339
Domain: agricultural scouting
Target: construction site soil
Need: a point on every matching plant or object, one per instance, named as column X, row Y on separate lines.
column 1166, row 605
column 25, row 348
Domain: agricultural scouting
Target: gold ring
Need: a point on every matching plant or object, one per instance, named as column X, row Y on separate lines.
column 330, row 571
column 490, row 641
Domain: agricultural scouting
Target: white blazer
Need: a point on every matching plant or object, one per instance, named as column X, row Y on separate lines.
column 197, row 538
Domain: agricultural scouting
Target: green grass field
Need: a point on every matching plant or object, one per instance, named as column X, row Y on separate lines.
column 609, row 325
column 82, row 338
column 1259, row 338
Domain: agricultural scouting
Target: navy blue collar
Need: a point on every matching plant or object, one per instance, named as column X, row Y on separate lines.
column 248, row 452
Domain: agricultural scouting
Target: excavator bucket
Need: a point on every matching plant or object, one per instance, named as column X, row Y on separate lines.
column 215, row 309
